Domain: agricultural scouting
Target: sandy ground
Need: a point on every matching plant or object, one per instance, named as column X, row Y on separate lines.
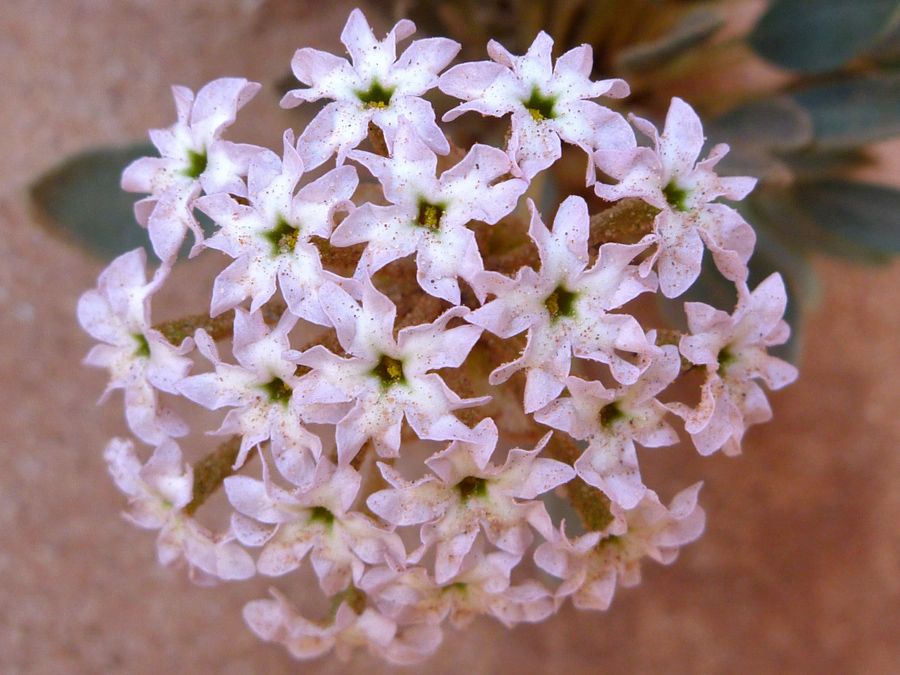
column 799, row 571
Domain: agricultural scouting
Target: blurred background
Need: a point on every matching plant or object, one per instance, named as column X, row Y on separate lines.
column 799, row 569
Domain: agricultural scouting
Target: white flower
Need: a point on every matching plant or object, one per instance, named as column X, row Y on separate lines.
column 671, row 179
column 591, row 565
column 259, row 389
column 314, row 518
column 429, row 214
column 467, row 494
column 270, row 237
column 733, row 350
column 157, row 493
column 547, row 104
column 192, row 158
column 385, row 379
column 566, row 308
column 612, row 420
column 378, row 87
column 277, row 621
column 482, row 586
column 140, row 360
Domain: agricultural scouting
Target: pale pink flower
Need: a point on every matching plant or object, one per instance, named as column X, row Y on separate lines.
column 671, row 179
column 428, row 215
column 378, row 87
column 548, row 104
column 566, row 307
column 259, row 390
column 592, row 565
column 315, row 519
column 270, row 237
column 612, row 420
column 467, row 494
column 139, row 359
column 385, row 380
column 157, row 493
column 192, row 158
column 482, row 586
column 277, row 621
column 733, row 350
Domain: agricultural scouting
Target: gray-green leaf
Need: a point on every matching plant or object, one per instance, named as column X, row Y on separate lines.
column 862, row 214
column 855, row 112
column 82, row 200
column 816, row 36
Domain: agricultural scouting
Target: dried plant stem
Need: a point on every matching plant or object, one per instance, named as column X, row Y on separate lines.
column 210, row 471
column 591, row 504
column 627, row 222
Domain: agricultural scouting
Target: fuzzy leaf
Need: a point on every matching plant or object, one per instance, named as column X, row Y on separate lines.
column 778, row 123
column 816, row 36
column 82, row 200
column 864, row 214
column 854, row 112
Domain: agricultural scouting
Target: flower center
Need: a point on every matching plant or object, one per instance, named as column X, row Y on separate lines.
column 560, row 303
column 283, row 237
column 278, row 391
column 676, row 196
column 540, row 106
column 726, row 358
column 430, row 215
column 378, row 96
column 610, row 414
column 196, row 164
column 319, row 514
column 610, row 541
column 389, row 371
column 472, row 486
column 143, row 348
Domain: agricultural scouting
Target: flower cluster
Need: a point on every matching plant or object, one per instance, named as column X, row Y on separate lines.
column 407, row 422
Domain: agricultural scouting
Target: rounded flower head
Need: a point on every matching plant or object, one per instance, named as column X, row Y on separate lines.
column 418, row 291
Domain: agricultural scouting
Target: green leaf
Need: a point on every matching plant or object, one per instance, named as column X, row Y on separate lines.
column 695, row 28
column 82, row 200
column 780, row 213
column 779, row 123
column 854, row 112
column 862, row 215
column 757, row 131
column 816, row 36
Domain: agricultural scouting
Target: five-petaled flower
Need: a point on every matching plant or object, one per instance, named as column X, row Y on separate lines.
column 376, row 88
